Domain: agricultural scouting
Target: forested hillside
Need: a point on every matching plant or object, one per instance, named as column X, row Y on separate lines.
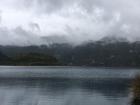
column 101, row 53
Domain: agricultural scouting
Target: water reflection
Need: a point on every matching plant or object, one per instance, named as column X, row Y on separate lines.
column 65, row 86
column 62, row 91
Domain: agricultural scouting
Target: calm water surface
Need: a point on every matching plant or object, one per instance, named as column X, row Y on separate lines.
column 65, row 85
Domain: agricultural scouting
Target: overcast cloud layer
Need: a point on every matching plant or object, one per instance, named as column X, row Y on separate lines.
column 25, row 22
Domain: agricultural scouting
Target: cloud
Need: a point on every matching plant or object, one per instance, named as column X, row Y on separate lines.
column 72, row 21
column 34, row 26
column 19, row 36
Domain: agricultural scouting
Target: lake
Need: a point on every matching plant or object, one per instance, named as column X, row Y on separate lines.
column 58, row 85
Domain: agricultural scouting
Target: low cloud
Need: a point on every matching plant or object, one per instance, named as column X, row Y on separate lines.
column 73, row 21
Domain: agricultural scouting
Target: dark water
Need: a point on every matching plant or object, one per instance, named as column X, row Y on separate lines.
column 65, row 86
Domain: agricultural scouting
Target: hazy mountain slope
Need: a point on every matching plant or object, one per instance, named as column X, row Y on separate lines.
column 115, row 52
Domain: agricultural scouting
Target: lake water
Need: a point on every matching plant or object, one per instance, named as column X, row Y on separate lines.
column 65, row 85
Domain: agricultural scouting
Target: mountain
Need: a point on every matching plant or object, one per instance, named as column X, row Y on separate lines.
column 55, row 39
column 114, row 52
column 34, row 59
column 3, row 58
column 113, row 39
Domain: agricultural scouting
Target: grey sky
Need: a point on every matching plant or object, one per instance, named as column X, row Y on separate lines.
column 25, row 22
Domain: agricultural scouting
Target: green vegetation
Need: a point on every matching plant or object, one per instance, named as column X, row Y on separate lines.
column 29, row 59
column 101, row 53
column 34, row 59
column 136, row 91
column 4, row 59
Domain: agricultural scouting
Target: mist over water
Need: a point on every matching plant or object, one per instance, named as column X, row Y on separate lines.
column 65, row 86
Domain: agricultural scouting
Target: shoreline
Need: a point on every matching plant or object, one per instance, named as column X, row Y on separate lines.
column 83, row 66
